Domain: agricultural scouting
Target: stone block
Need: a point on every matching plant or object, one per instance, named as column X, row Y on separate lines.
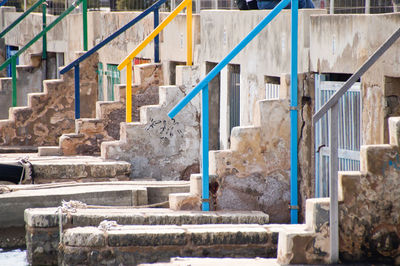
column 226, row 234
column 147, row 236
column 302, row 247
column 49, row 151
column 184, row 201
column 84, row 237
column 43, row 217
column 394, row 131
column 374, row 158
column 42, row 245
column 317, row 213
column 196, row 185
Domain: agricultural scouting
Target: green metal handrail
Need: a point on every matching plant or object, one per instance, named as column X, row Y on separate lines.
column 13, row 59
column 20, row 18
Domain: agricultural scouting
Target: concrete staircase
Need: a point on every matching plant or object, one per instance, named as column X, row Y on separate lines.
column 158, row 147
column 29, row 80
column 91, row 132
column 368, row 204
column 51, row 112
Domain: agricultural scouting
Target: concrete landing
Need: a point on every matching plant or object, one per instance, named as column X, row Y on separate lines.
column 216, row 261
column 72, row 168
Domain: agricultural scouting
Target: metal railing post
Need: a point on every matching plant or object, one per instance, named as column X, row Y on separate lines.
column 14, row 80
column 77, row 93
column 333, row 185
column 293, row 116
column 367, row 6
column 204, row 84
column 44, row 40
column 129, row 92
column 189, row 33
column 331, row 6
column 44, row 43
column 204, row 150
column 157, row 38
column 84, row 18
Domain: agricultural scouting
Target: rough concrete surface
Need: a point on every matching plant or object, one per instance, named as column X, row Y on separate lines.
column 159, row 147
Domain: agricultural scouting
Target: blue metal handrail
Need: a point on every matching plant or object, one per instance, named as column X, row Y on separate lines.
column 203, row 86
column 2, row 3
column 75, row 64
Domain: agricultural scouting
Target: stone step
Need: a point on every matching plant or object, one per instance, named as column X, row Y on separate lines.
column 128, row 193
column 307, row 243
column 18, row 149
column 132, row 245
column 42, row 223
column 72, row 168
column 216, row 261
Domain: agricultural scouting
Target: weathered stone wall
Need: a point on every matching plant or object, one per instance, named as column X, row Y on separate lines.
column 51, row 113
column 5, row 97
column 369, row 204
column 254, row 173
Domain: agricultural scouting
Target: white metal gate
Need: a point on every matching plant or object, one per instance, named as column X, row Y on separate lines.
column 349, row 132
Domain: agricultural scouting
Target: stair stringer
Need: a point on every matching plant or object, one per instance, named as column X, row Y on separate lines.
column 369, row 204
column 158, row 147
column 48, row 114
column 91, row 132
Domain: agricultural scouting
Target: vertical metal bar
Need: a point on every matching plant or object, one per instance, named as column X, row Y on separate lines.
column 44, row 42
column 204, row 136
column 14, row 80
column 84, row 18
column 316, row 134
column 333, row 185
column 367, row 6
column 157, row 38
column 332, row 7
column 189, row 32
column 293, row 116
column 129, row 92
column 77, row 93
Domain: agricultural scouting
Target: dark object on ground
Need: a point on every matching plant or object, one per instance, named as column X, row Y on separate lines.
column 18, row 172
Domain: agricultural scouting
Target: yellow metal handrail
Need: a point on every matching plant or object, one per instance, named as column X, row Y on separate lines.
column 127, row 62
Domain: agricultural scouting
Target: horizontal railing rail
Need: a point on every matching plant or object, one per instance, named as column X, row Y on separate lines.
column 203, row 87
column 75, row 64
column 20, row 18
column 127, row 62
column 13, row 59
column 332, row 105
